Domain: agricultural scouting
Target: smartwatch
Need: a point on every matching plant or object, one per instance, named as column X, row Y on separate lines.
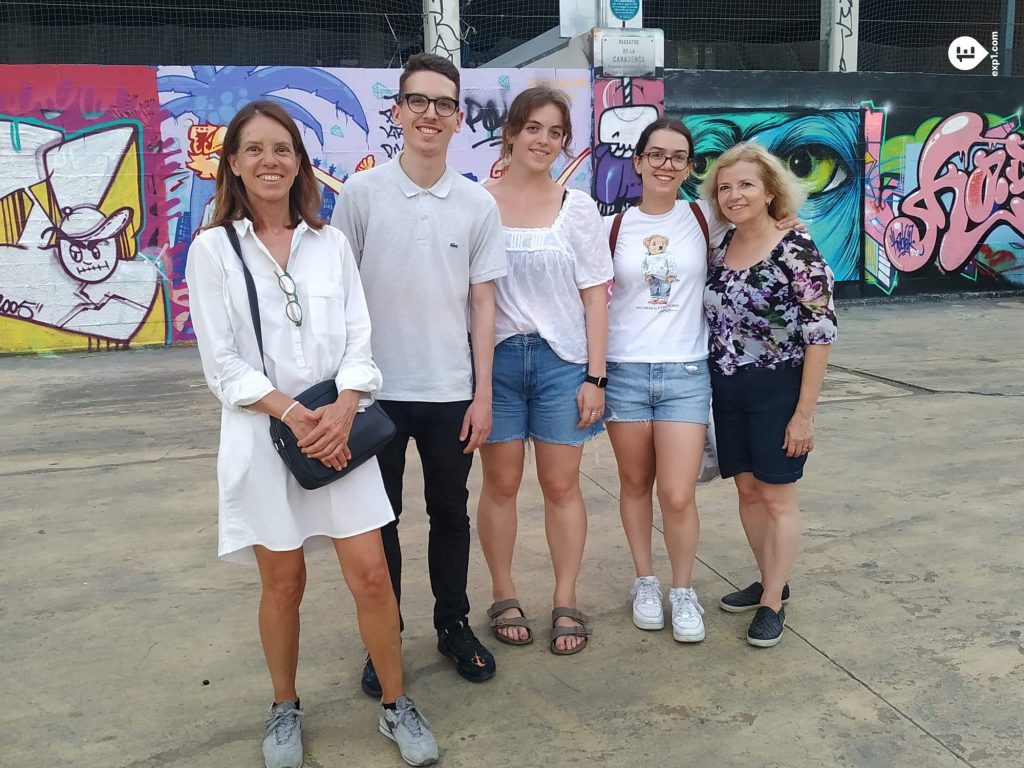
column 598, row 381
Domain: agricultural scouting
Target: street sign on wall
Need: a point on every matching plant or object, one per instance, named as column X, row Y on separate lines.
column 622, row 13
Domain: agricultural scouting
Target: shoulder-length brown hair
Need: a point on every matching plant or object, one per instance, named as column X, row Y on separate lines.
column 523, row 106
column 232, row 202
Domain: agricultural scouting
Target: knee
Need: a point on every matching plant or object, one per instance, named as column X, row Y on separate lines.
column 636, row 484
column 370, row 581
column 285, row 590
column 502, row 487
column 748, row 490
column 561, row 492
column 677, row 501
column 779, row 506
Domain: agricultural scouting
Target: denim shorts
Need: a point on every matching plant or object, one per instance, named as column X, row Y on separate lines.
column 752, row 409
column 534, row 394
column 659, row 392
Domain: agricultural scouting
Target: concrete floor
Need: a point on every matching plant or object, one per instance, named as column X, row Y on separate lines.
column 903, row 645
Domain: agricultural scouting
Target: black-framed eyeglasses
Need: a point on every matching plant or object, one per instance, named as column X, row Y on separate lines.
column 292, row 309
column 657, row 159
column 418, row 103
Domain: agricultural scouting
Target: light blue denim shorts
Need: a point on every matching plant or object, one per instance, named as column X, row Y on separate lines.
column 534, row 394
column 658, row 392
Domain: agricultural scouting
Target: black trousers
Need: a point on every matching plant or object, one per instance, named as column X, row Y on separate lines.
column 435, row 428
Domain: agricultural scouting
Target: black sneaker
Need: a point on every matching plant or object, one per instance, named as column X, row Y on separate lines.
column 369, row 682
column 474, row 662
column 766, row 628
column 747, row 599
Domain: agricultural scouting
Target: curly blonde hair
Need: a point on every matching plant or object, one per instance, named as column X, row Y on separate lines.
column 788, row 193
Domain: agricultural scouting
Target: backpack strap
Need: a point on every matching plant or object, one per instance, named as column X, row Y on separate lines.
column 698, row 214
column 613, row 236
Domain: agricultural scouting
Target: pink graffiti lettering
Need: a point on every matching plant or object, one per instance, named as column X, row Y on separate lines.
column 984, row 171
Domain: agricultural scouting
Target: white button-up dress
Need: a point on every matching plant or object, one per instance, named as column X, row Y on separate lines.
column 259, row 500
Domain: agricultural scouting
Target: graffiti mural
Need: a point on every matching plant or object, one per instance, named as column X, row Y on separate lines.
column 946, row 199
column 821, row 148
column 623, row 107
column 345, row 118
column 83, row 237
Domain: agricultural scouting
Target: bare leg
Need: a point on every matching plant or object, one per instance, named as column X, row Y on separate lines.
column 752, row 516
column 781, row 539
column 366, row 572
column 497, row 519
column 283, row 575
column 565, row 522
column 679, row 447
column 633, row 443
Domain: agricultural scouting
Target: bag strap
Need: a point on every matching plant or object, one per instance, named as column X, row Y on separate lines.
column 250, row 287
column 698, row 214
column 613, row 236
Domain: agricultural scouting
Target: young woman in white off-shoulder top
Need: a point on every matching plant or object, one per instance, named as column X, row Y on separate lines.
column 549, row 361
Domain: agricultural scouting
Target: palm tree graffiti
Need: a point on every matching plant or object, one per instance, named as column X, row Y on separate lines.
column 211, row 97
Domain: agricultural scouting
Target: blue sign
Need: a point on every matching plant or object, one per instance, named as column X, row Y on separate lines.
column 625, row 10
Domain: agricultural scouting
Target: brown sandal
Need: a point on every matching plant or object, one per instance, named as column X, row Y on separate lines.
column 580, row 630
column 497, row 621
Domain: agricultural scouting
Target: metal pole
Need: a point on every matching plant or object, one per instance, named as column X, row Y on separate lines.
column 843, row 31
column 1006, row 38
column 441, row 29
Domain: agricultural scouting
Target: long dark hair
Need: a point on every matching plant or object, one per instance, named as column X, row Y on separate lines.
column 232, row 202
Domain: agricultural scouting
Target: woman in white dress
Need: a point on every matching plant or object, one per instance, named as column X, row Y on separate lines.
column 551, row 328
column 315, row 326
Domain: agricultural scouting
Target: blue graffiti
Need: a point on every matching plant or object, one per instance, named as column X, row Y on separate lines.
column 821, row 148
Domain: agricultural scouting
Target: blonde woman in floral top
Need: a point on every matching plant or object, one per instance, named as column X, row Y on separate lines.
column 772, row 322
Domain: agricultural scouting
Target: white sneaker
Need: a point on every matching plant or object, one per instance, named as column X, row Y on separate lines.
column 687, row 624
column 648, row 612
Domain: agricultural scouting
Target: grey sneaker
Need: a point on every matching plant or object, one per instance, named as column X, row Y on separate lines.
column 282, row 742
column 410, row 730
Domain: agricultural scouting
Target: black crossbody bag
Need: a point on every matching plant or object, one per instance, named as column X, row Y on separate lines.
column 372, row 428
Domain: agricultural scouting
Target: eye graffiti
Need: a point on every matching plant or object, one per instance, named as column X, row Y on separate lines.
column 818, row 166
column 820, row 148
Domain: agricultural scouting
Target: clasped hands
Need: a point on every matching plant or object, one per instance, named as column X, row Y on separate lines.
column 323, row 434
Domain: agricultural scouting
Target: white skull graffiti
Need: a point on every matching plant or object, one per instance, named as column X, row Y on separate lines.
column 620, row 127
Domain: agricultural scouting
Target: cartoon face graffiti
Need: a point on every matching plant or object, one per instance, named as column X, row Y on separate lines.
column 618, row 130
column 87, row 241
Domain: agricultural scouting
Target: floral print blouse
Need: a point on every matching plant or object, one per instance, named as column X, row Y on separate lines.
column 763, row 316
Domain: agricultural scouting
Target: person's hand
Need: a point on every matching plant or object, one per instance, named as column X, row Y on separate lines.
column 328, row 441
column 590, row 404
column 799, row 435
column 790, row 222
column 301, row 421
column 476, row 424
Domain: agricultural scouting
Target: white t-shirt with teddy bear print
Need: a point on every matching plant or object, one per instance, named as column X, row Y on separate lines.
column 656, row 314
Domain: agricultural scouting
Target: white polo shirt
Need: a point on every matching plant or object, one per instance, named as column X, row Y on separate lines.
column 418, row 251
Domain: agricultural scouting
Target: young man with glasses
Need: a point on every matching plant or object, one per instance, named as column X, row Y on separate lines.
column 429, row 244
